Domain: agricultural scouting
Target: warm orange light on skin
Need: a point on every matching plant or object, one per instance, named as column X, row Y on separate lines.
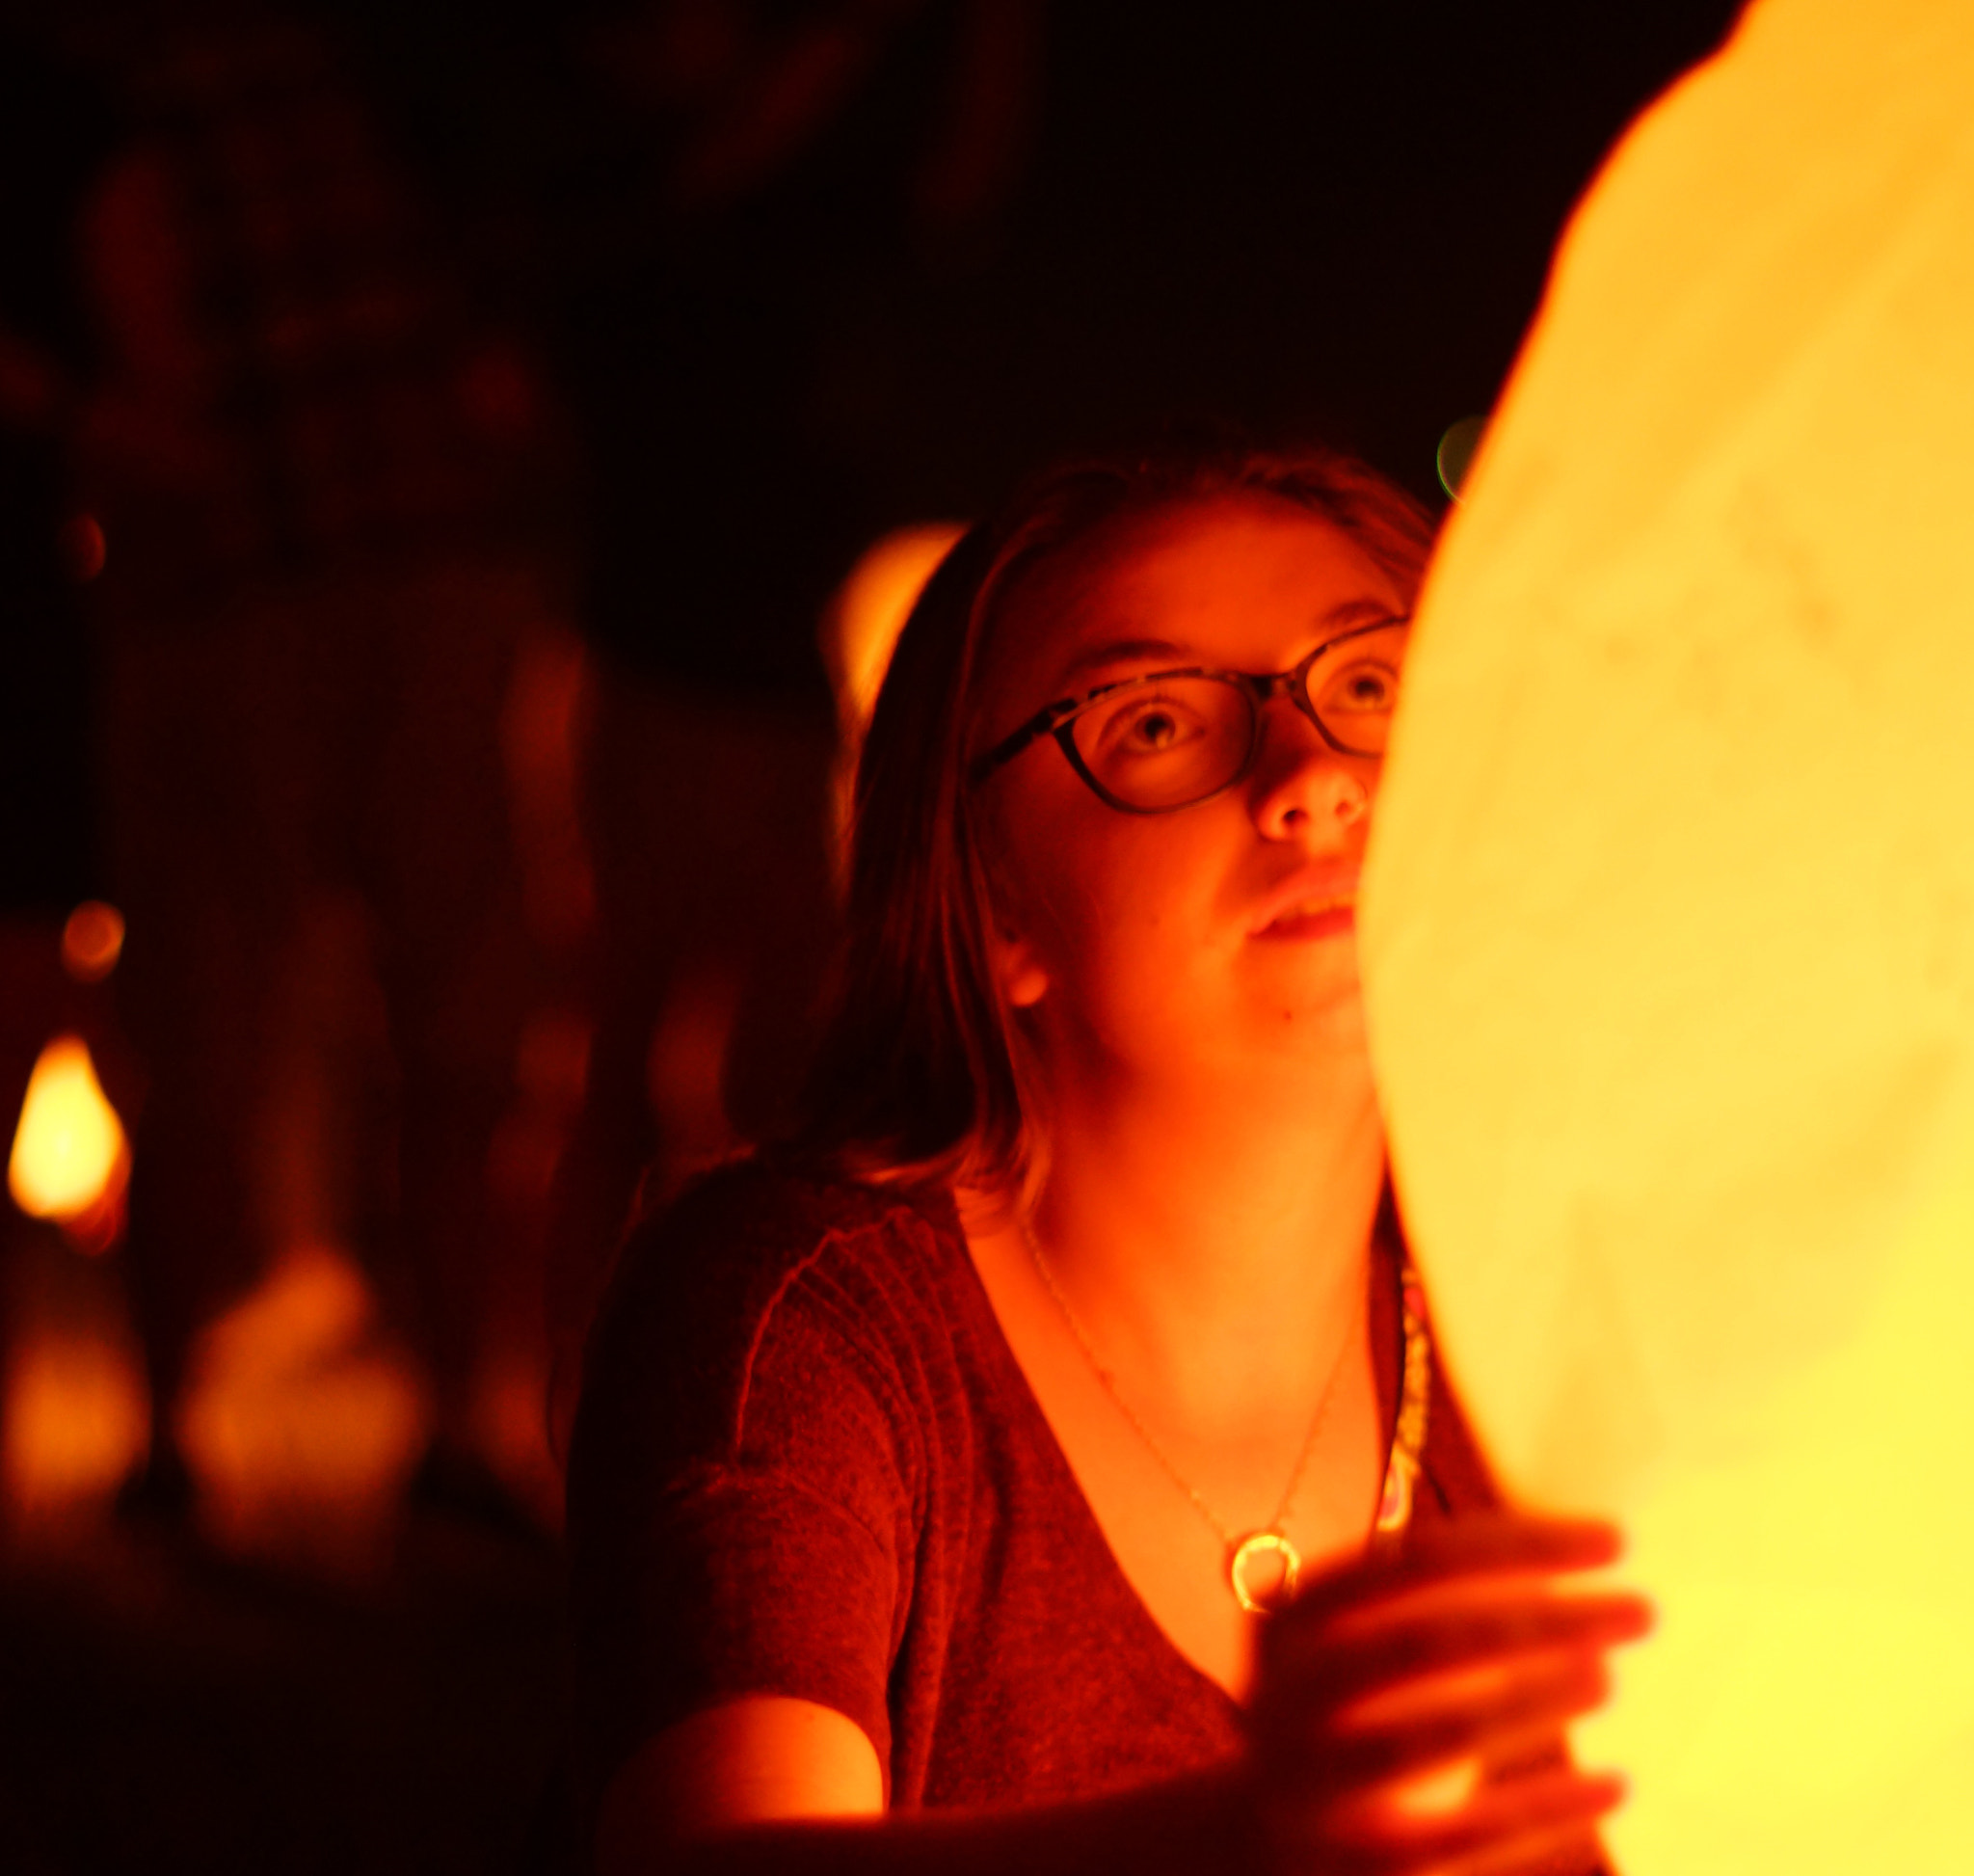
column 69, row 1157
column 1668, row 938
column 1437, row 1794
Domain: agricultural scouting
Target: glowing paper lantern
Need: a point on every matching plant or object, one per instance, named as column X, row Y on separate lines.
column 69, row 1150
column 1668, row 937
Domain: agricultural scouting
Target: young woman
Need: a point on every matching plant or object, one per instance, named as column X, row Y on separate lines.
column 1044, row 1459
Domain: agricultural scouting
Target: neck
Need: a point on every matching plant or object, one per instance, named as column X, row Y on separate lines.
column 1215, row 1239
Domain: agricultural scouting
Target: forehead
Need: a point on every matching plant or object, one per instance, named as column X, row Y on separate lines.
column 1247, row 581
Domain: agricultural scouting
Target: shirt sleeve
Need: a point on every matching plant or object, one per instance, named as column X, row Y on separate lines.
column 743, row 1478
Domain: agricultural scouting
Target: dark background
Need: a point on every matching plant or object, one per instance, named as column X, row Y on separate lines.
column 1302, row 218
column 1308, row 218
column 1296, row 215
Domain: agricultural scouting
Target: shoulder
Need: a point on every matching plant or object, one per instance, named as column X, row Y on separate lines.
column 743, row 1242
column 748, row 1479
column 826, row 1284
column 767, row 1215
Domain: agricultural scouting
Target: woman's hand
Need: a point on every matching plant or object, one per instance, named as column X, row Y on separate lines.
column 1410, row 1704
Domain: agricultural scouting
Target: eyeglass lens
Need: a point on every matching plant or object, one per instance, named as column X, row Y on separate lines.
column 1166, row 742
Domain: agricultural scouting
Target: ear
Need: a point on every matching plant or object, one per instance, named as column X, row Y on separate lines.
column 1017, row 970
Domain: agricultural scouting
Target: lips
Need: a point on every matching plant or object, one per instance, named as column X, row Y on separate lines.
column 1312, row 920
column 1312, row 903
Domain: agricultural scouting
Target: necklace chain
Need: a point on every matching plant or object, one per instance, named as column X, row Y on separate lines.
column 1274, row 1528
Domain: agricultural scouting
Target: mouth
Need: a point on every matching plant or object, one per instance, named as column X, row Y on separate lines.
column 1313, row 918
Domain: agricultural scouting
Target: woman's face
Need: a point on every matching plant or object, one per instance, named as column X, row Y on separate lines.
column 1221, row 937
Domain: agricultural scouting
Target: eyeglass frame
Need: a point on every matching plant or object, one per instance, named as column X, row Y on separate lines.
column 1059, row 720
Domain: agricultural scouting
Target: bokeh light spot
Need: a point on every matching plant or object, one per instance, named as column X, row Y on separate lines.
column 91, row 941
column 1456, row 451
column 301, row 1424
column 83, row 547
column 76, row 1420
column 870, row 608
column 69, row 1159
column 859, row 630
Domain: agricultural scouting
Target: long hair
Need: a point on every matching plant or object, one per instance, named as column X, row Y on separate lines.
column 922, row 1072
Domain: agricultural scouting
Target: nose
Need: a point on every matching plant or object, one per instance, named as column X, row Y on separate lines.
column 1304, row 790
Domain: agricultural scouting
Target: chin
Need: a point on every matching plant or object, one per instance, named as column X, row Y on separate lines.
column 1323, row 997
column 1313, row 1032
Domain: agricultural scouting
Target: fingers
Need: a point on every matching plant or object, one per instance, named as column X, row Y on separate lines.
column 1496, row 1723
column 1459, row 1594
column 1337, row 1669
column 1461, row 1550
column 1532, row 1823
column 1458, row 1648
column 1500, row 1817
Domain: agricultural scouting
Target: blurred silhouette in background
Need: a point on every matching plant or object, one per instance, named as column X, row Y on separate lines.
column 325, row 504
column 58, row 1317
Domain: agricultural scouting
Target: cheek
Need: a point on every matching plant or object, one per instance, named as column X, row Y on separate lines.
column 1124, row 919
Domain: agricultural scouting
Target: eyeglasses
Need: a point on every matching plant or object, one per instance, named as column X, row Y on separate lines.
column 1152, row 744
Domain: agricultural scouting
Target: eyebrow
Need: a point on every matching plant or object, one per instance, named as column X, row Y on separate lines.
column 1124, row 651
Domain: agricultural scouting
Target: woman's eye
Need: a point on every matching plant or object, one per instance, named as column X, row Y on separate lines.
column 1151, row 726
column 1153, row 729
column 1362, row 688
